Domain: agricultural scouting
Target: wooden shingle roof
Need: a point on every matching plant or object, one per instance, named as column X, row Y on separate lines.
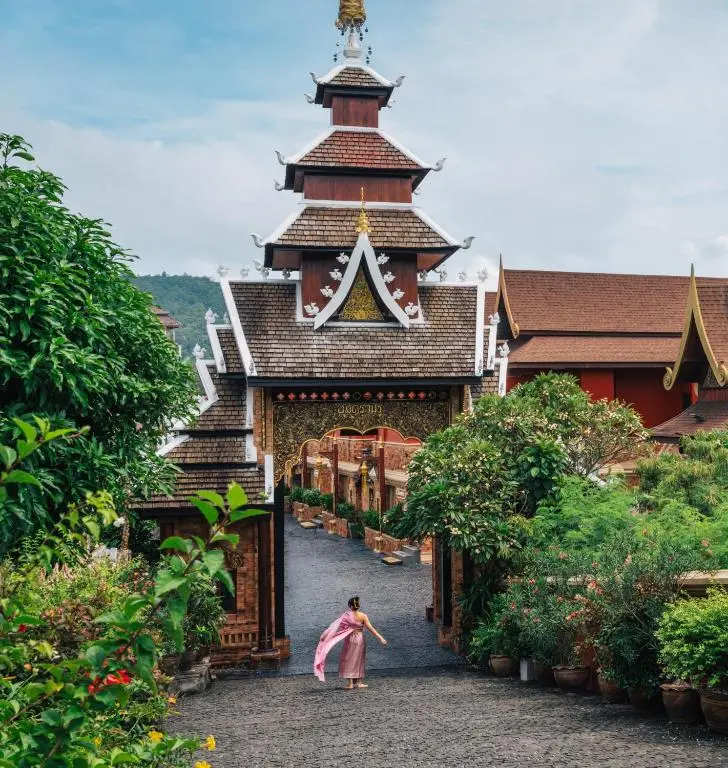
column 335, row 228
column 285, row 348
column 354, row 149
column 594, row 350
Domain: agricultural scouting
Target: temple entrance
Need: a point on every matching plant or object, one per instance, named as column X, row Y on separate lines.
column 353, row 447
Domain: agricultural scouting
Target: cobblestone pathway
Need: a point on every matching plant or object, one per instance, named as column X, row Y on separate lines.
column 324, row 571
column 415, row 712
column 434, row 718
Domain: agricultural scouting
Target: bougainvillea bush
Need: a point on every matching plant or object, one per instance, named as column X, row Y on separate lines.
column 79, row 684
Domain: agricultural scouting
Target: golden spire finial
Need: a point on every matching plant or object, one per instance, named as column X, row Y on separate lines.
column 362, row 223
column 352, row 15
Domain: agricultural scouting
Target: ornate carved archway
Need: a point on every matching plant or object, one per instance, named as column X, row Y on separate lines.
column 296, row 420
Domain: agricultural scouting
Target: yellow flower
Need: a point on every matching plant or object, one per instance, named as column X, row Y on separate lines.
column 172, row 700
column 210, row 743
column 202, row 764
column 155, row 736
column 97, row 741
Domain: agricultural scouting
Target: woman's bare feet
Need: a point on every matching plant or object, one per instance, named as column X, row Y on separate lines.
column 361, row 685
column 349, row 687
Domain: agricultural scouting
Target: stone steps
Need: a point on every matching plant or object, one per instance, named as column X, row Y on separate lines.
column 391, row 560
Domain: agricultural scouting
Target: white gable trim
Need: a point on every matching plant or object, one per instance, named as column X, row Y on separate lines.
column 412, row 156
column 434, row 225
column 215, row 345
column 480, row 330
column 166, row 449
column 204, row 373
column 237, row 326
column 310, row 146
column 284, row 227
column 363, row 250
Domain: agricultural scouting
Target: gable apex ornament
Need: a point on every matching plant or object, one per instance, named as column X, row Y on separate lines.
column 362, row 223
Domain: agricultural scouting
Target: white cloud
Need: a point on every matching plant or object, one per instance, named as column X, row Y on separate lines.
column 579, row 136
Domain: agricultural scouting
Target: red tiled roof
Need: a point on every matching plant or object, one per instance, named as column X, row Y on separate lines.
column 598, row 303
column 565, row 350
column 392, row 228
column 165, row 318
column 703, row 415
column 353, row 149
column 714, row 311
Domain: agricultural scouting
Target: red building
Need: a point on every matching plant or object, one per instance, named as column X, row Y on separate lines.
column 616, row 333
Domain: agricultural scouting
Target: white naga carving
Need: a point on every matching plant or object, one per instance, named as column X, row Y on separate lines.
column 210, row 317
column 328, row 292
column 286, row 273
column 309, row 98
column 382, row 259
column 422, row 275
column 467, row 243
column 462, row 276
column 337, row 275
column 312, row 309
column 482, row 275
column 504, row 350
column 260, row 267
column 412, row 309
column 223, row 271
column 278, row 186
column 494, row 319
column 388, row 278
column 343, row 258
column 244, row 272
column 398, row 294
column 198, row 352
column 258, row 240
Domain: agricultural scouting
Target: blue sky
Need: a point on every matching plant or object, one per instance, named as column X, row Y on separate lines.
column 580, row 134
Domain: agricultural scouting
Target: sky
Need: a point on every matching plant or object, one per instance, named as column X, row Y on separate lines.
column 580, row 134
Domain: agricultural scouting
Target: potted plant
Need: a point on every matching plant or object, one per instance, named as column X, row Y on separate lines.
column 693, row 638
column 312, row 498
column 296, row 499
column 497, row 639
column 202, row 624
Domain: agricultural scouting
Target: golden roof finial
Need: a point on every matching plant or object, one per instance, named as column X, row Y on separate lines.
column 352, row 15
column 362, row 223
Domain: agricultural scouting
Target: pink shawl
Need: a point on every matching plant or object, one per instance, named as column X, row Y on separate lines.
column 340, row 629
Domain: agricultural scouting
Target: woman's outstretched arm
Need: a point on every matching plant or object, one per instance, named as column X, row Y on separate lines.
column 365, row 621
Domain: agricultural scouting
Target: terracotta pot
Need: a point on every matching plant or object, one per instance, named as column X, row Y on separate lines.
column 715, row 709
column 647, row 702
column 544, row 675
column 572, row 679
column 682, row 703
column 505, row 666
column 611, row 692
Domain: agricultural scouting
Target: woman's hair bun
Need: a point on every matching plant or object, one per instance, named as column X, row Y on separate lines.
column 354, row 603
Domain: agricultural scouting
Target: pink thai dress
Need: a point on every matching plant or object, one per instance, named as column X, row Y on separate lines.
column 353, row 655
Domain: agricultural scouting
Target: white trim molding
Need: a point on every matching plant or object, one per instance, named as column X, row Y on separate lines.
column 167, row 448
column 270, row 483
column 237, row 326
column 363, row 250
column 203, row 371
column 216, row 347
column 503, row 353
column 494, row 320
column 480, row 329
column 351, row 64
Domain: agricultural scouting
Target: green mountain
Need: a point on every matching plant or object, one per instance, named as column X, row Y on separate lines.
column 186, row 298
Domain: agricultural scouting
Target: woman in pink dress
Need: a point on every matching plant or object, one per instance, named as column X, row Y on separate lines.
column 350, row 628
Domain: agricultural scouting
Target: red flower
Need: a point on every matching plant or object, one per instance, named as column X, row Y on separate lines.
column 23, row 628
column 122, row 677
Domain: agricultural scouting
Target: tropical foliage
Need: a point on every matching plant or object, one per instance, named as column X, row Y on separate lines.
column 79, row 637
column 79, row 346
column 474, row 483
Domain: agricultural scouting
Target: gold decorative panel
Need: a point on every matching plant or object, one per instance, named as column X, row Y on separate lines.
column 296, row 423
column 361, row 305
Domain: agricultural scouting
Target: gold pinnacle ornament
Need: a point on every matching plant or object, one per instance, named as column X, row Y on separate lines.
column 352, row 15
column 362, row 223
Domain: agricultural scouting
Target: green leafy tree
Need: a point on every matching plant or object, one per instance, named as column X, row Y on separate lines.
column 78, row 345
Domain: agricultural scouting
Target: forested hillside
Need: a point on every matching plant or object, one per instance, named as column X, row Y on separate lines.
column 186, row 298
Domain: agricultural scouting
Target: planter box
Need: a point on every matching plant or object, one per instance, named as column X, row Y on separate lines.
column 298, row 509
column 342, row 527
column 390, row 544
column 371, row 539
column 309, row 513
column 327, row 516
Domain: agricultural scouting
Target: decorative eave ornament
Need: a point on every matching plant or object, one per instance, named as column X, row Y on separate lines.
column 362, row 223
